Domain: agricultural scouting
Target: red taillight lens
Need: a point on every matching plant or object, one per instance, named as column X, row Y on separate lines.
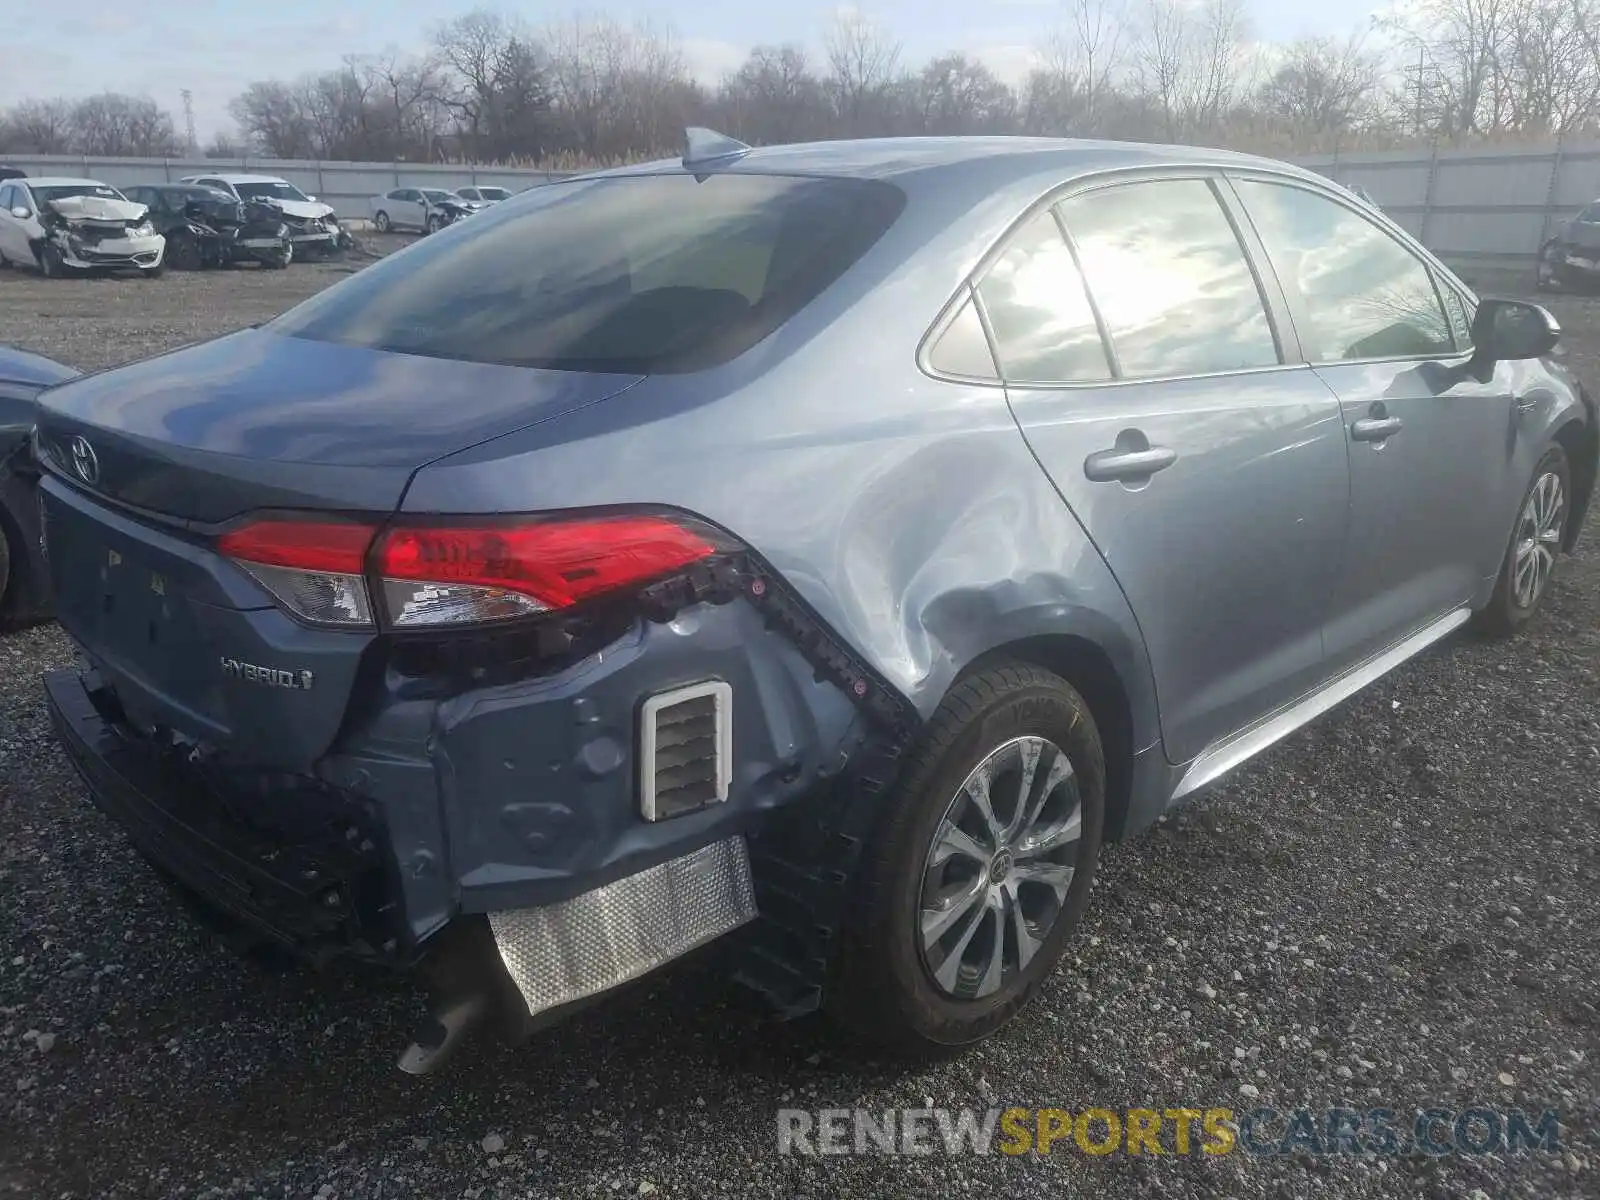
column 457, row 574
column 303, row 545
column 313, row 568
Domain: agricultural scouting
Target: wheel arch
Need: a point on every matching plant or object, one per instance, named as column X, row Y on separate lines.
column 1087, row 666
column 1580, row 441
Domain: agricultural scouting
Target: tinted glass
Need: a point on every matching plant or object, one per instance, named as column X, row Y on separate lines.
column 641, row 273
column 1171, row 282
column 963, row 348
column 490, row 193
column 67, row 191
column 272, row 191
column 1044, row 329
column 7, row 196
column 1362, row 293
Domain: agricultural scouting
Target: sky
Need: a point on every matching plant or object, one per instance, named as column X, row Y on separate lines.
column 158, row 50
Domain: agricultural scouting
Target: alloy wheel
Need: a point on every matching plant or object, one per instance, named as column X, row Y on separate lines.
column 1538, row 539
column 996, row 876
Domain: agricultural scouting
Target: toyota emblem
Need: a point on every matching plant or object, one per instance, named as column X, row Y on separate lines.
column 84, row 460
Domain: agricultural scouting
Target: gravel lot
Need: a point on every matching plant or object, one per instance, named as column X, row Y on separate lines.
column 1399, row 907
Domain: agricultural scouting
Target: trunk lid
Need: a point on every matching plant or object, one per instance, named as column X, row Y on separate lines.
column 261, row 420
column 144, row 462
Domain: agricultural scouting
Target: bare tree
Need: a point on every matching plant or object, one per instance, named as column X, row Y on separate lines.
column 1323, row 86
column 773, row 97
column 38, row 127
column 862, row 64
column 1188, row 62
column 112, row 124
column 959, row 95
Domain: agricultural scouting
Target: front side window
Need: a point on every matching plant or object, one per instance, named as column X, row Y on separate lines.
column 632, row 274
column 1359, row 292
column 1170, row 279
column 1044, row 329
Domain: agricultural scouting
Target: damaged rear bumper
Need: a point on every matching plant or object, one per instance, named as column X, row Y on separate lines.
column 518, row 808
column 312, row 879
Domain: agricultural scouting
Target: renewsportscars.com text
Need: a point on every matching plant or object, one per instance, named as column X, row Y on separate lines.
column 1259, row 1132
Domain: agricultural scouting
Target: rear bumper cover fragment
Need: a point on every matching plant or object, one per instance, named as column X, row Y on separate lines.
column 577, row 948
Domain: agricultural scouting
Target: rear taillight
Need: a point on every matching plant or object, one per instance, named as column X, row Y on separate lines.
column 455, row 575
column 314, row 569
column 433, row 576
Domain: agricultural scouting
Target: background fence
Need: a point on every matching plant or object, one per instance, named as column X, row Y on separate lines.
column 345, row 185
column 1476, row 207
column 1479, row 207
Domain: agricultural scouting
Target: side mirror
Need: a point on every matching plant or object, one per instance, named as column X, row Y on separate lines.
column 1509, row 330
column 310, row 197
column 22, row 214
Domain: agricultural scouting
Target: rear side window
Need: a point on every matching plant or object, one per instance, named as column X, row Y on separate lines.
column 963, row 347
column 634, row 274
column 1359, row 292
column 1044, row 329
column 1170, row 279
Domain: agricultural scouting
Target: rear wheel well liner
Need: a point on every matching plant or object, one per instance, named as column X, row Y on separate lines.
column 1088, row 668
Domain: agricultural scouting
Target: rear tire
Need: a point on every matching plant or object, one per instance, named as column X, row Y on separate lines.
column 5, row 568
column 1533, row 549
column 915, row 978
column 183, row 253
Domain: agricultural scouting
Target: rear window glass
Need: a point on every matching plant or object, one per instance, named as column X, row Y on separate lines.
column 637, row 274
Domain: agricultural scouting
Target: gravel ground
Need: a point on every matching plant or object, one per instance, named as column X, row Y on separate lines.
column 1398, row 907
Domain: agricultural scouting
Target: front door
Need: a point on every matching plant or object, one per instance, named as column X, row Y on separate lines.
column 1431, row 443
column 13, row 241
column 1206, row 466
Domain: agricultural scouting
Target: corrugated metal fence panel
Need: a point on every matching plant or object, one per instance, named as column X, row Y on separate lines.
column 1476, row 205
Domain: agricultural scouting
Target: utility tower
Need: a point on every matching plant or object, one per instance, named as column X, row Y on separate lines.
column 188, row 118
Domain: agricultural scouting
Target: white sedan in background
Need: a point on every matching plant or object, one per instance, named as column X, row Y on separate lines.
column 425, row 209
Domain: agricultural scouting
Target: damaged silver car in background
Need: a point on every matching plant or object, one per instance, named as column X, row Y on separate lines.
column 63, row 226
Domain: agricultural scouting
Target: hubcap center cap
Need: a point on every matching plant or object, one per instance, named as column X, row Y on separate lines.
column 1000, row 866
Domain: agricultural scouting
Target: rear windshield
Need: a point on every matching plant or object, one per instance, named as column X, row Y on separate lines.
column 635, row 274
column 269, row 191
column 494, row 193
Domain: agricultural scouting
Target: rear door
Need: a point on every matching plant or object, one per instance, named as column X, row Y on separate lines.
column 1431, row 442
column 1146, row 368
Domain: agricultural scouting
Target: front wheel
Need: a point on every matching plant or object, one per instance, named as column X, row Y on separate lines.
column 435, row 223
column 980, row 869
column 1536, row 542
column 1545, row 277
column 51, row 264
column 381, row 222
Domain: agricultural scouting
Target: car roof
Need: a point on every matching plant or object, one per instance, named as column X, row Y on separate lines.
column 1001, row 158
column 227, row 178
column 61, row 181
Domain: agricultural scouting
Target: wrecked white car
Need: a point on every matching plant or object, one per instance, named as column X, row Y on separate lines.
column 64, row 226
